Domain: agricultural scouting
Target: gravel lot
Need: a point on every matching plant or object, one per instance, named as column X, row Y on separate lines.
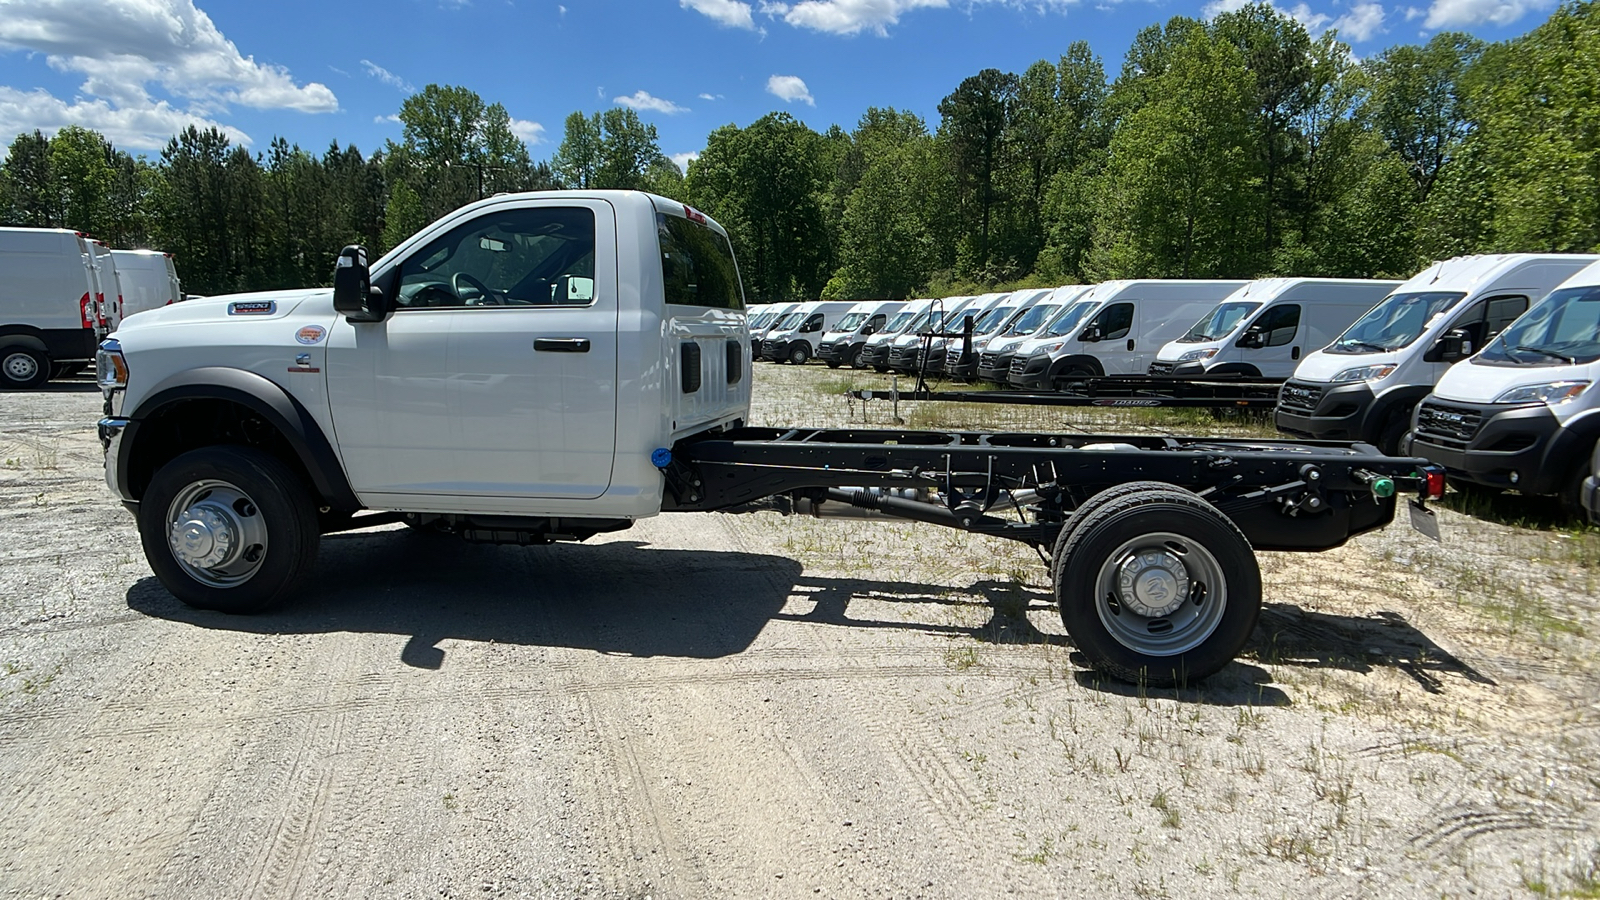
column 752, row 706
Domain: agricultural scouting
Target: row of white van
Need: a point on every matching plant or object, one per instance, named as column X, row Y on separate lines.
column 61, row 291
column 1364, row 360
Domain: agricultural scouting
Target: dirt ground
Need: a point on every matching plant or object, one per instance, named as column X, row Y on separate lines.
column 754, row 706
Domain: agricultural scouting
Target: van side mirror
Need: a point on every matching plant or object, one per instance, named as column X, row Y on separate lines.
column 1451, row 346
column 1251, row 339
column 1090, row 335
column 866, row 330
column 354, row 297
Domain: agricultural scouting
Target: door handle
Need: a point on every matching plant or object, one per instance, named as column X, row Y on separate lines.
column 1294, row 353
column 1130, row 345
column 561, row 345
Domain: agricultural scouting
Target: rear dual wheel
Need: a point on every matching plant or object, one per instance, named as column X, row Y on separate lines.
column 1155, row 585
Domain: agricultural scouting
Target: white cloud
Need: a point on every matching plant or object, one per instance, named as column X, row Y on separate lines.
column 120, row 46
column 561, row 10
column 731, row 13
column 682, row 160
column 1414, row 13
column 1458, row 13
column 145, row 128
column 530, row 132
column 790, row 88
column 379, row 120
column 710, row 96
column 848, row 16
column 1313, row 21
column 387, row 77
column 643, row 100
column 1362, row 23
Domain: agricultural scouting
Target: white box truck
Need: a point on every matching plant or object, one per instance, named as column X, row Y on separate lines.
column 1522, row 412
column 1264, row 328
column 1365, row 385
column 49, row 322
column 1130, row 321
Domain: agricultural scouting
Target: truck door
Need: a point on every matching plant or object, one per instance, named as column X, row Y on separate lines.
column 495, row 377
column 1273, row 342
column 1115, row 347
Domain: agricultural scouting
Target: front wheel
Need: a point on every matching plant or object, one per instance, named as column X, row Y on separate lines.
column 834, row 363
column 1156, row 586
column 800, row 353
column 229, row 528
column 23, row 367
column 858, row 358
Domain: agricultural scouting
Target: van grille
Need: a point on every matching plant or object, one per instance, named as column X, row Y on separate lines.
column 1162, row 368
column 1446, row 425
column 1300, row 398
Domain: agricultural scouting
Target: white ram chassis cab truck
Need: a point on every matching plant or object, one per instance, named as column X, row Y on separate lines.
column 551, row 366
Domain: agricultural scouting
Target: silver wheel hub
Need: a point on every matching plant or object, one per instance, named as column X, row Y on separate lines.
column 217, row 533
column 21, row 366
column 1152, row 583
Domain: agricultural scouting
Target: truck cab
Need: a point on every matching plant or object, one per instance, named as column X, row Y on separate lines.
column 1365, row 385
column 1521, row 412
column 512, row 367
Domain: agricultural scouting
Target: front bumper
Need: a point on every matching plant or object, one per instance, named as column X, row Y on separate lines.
column 775, row 350
column 959, row 365
column 904, row 359
column 1185, row 370
column 876, row 354
column 835, row 351
column 995, row 367
column 1324, row 412
column 111, row 431
column 1031, row 373
column 1493, row 444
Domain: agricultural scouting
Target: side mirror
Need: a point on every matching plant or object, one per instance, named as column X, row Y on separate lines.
column 866, row 330
column 1452, row 346
column 354, row 297
column 1090, row 335
column 1252, row 340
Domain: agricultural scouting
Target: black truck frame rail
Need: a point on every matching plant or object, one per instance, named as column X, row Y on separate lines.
column 1283, row 495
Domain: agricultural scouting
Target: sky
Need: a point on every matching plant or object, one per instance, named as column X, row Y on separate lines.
column 337, row 70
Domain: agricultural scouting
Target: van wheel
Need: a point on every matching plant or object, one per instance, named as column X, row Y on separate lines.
column 800, row 353
column 834, row 363
column 229, row 528
column 23, row 367
column 1156, row 586
column 1394, row 428
column 858, row 358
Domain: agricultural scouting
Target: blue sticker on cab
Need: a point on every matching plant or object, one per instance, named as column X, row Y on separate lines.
column 310, row 334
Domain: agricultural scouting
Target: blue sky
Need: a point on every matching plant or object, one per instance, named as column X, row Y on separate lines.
column 314, row 72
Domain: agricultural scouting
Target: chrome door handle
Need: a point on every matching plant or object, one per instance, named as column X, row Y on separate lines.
column 561, row 345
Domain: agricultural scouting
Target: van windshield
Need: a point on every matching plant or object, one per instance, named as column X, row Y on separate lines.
column 851, row 322
column 1563, row 329
column 992, row 319
column 1070, row 317
column 952, row 319
column 1396, row 322
column 1219, row 323
column 1032, row 319
column 899, row 322
column 790, row 322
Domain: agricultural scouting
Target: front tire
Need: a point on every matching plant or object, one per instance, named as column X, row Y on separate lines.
column 800, row 353
column 229, row 528
column 1156, row 586
column 23, row 368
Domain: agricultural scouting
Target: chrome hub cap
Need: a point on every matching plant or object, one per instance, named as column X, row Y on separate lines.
column 216, row 533
column 21, row 366
column 1161, row 594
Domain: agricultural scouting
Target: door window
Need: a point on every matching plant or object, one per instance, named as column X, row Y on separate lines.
column 515, row 257
column 1114, row 322
column 1500, row 312
column 1278, row 324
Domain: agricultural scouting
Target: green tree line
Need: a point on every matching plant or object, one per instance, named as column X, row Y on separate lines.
column 1241, row 146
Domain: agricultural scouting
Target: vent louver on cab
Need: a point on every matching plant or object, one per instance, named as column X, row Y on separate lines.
column 735, row 362
column 689, row 365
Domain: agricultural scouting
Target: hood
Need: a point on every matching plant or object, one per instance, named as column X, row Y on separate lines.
column 1320, row 366
column 231, row 307
column 1470, row 382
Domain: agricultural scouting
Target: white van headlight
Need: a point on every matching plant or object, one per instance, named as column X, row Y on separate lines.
column 1551, row 392
column 1364, row 373
column 1049, row 348
column 1193, row 355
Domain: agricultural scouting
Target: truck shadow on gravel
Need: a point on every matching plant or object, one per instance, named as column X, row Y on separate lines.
column 1287, row 635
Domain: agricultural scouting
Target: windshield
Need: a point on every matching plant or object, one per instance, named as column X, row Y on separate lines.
column 791, row 321
column 952, row 319
column 899, row 322
column 851, row 322
column 1032, row 319
column 1219, row 323
column 993, row 319
column 1562, row 329
column 1070, row 317
column 1396, row 322
column 762, row 320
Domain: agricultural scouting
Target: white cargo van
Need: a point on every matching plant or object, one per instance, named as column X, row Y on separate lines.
column 1365, row 385
column 1262, row 329
column 994, row 362
column 846, row 341
column 108, row 298
column 759, row 325
column 1523, row 412
column 904, row 347
column 1131, row 321
column 795, row 336
column 48, row 320
column 910, row 318
column 997, row 321
column 148, row 280
column 930, row 357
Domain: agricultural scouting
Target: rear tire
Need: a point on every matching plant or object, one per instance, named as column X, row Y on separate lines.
column 23, row 368
column 229, row 528
column 1156, row 586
